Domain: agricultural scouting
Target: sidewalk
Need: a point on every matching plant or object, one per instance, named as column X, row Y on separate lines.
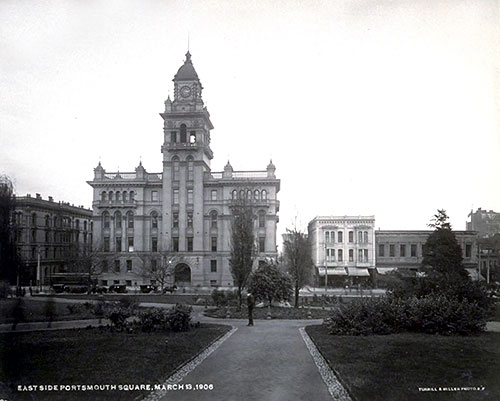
column 269, row 361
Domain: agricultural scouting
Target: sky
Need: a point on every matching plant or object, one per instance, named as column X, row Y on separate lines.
column 366, row 107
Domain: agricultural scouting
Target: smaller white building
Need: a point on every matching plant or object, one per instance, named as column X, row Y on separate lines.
column 343, row 248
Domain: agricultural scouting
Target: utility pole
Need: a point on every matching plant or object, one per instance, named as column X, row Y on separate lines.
column 326, row 268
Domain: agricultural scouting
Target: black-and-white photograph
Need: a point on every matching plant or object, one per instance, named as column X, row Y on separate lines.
column 250, row 200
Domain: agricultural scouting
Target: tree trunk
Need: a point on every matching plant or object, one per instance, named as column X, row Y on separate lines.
column 297, row 289
column 239, row 299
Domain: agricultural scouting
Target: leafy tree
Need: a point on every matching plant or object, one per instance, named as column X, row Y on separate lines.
column 10, row 263
column 269, row 283
column 442, row 253
column 298, row 260
column 242, row 245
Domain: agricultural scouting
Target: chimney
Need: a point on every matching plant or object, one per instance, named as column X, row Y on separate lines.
column 38, row 196
column 51, row 199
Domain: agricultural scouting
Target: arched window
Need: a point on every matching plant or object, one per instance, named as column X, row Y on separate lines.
column 118, row 196
column 256, row 194
column 249, row 194
column 103, row 196
column 213, row 219
column 125, row 197
column 175, row 164
column 365, row 236
column 132, row 195
column 327, row 236
column 264, row 194
column 190, row 168
column 85, row 225
column 242, row 194
column 47, row 220
column 262, row 218
column 183, row 133
column 154, row 220
column 55, row 221
column 192, row 137
column 33, row 219
column 110, row 195
column 105, row 220
column 360, row 236
column 118, row 220
column 234, row 194
column 130, row 220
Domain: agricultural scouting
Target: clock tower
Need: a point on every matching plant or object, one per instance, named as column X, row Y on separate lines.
column 186, row 160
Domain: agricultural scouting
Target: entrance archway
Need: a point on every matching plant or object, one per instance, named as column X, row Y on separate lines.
column 182, row 275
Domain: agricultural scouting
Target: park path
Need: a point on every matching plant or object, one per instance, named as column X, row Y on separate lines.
column 269, row 361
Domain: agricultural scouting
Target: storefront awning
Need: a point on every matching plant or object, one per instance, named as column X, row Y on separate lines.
column 386, row 270
column 332, row 271
column 474, row 274
column 358, row 272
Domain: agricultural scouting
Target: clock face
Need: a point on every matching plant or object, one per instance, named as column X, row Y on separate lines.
column 185, row 91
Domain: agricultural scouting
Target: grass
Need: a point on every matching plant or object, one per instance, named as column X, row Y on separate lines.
column 393, row 367
column 190, row 299
column 261, row 313
column 35, row 311
column 96, row 356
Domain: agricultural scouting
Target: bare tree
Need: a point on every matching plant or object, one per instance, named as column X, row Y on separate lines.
column 242, row 244
column 158, row 266
column 90, row 261
column 298, row 260
column 10, row 263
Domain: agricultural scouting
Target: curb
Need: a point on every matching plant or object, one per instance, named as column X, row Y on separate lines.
column 186, row 368
column 338, row 390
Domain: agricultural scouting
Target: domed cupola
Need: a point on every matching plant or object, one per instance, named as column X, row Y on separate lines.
column 187, row 71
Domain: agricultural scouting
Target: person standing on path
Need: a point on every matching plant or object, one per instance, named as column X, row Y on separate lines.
column 250, row 305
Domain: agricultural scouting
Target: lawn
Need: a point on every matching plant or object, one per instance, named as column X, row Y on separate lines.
column 190, row 299
column 261, row 313
column 96, row 356
column 394, row 367
column 35, row 311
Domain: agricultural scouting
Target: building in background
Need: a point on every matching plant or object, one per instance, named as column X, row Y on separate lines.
column 350, row 251
column 50, row 236
column 485, row 223
column 179, row 219
column 403, row 250
column 343, row 248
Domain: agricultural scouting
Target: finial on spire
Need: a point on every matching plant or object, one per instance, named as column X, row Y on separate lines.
column 188, row 41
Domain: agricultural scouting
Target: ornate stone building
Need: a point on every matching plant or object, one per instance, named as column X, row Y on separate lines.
column 178, row 221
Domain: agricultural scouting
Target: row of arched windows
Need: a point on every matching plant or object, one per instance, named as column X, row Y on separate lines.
column 242, row 194
column 129, row 220
column 117, row 196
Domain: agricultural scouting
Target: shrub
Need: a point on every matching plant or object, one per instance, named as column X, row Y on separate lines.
column 118, row 316
column 153, row 319
column 433, row 314
column 4, row 289
column 127, row 302
column 224, row 298
column 179, row 317
column 73, row 308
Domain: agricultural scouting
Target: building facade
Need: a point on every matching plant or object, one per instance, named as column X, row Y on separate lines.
column 342, row 248
column 178, row 221
column 50, row 236
column 403, row 250
column 349, row 250
column 485, row 223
